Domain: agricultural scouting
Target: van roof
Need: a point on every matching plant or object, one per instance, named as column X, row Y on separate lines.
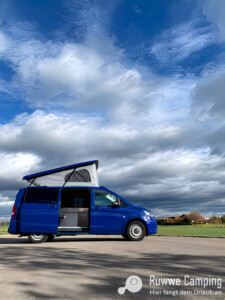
column 40, row 174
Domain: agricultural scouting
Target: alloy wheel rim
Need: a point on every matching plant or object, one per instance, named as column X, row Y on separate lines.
column 136, row 231
column 37, row 236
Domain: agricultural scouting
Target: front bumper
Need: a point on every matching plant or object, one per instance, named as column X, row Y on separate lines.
column 151, row 225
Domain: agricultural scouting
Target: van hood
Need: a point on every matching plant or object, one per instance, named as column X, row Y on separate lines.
column 138, row 207
column 141, row 208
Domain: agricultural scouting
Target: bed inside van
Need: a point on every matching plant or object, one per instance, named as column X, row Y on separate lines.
column 74, row 214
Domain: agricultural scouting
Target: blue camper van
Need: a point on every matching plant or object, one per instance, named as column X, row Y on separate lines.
column 69, row 201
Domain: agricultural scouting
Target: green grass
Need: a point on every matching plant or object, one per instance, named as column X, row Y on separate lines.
column 210, row 225
column 4, row 229
column 191, row 230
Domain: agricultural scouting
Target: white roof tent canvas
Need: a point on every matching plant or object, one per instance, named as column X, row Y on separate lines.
column 82, row 174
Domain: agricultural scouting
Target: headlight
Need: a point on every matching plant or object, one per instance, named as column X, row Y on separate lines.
column 149, row 213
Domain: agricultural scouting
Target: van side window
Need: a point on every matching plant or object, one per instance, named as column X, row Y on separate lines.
column 104, row 198
column 41, row 195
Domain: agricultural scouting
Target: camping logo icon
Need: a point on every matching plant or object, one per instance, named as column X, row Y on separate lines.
column 133, row 285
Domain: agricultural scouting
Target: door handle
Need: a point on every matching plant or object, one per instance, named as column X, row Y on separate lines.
column 53, row 206
column 96, row 207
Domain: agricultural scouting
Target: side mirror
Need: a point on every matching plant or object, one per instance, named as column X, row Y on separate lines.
column 116, row 204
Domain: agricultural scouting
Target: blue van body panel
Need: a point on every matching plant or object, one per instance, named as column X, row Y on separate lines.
column 44, row 218
column 14, row 226
column 108, row 220
column 105, row 219
column 39, row 218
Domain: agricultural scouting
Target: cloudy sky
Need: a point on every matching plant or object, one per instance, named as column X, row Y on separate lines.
column 138, row 85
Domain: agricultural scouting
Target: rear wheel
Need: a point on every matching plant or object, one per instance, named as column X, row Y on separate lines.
column 136, row 231
column 37, row 238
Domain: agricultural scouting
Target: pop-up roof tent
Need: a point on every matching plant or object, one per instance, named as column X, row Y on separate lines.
column 82, row 174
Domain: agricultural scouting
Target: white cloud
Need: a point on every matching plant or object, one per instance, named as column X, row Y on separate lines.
column 3, row 42
column 13, row 167
column 74, row 76
column 214, row 11
column 55, row 135
column 91, row 76
column 80, row 78
column 6, row 203
column 179, row 42
column 137, row 9
column 4, row 200
column 209, row 95
column 150, row 163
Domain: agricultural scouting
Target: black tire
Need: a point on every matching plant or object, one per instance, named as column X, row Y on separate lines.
column 50, row 237
column 37, row 238
column 125, row 236
column 135, row 231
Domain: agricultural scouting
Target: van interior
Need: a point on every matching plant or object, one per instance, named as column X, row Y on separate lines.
column 74, row 212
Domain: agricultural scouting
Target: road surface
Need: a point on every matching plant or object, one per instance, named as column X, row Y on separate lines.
column 95, row 267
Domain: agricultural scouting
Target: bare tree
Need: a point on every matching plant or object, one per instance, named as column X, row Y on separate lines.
column 214, row 220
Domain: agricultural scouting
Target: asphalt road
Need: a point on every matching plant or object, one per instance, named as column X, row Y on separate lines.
column 94, row 268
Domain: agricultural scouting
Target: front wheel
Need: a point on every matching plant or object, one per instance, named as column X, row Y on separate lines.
column 37, row 238
column 125, row 236
column 136, row 231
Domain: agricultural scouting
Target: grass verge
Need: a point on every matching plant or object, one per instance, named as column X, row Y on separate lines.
column 4, row 229
column 191, row 230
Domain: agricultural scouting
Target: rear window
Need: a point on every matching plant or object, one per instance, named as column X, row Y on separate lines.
column 42, row 195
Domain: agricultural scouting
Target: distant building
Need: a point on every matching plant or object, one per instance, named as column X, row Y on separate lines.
column 192, row 218
column 182, row 220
